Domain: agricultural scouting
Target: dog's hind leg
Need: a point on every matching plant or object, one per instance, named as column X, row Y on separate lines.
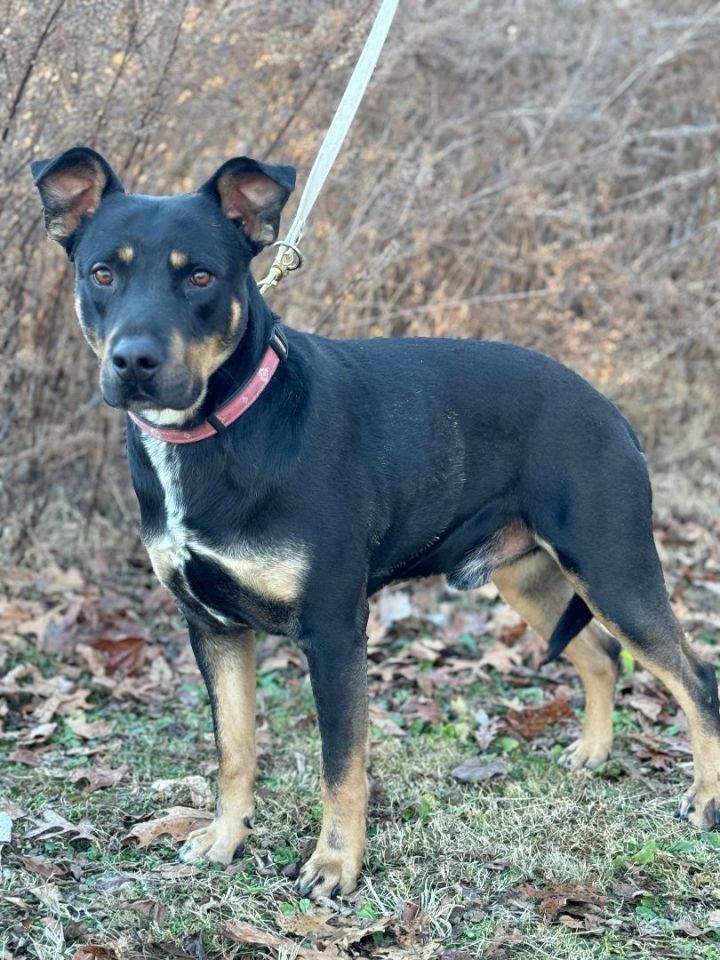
column 536, row 587
column 609, row 556
column 228, row 668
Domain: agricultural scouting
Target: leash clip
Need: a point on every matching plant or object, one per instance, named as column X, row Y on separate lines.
column 287, row 259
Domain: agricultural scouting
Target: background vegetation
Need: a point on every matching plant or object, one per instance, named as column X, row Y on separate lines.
column 540, row 171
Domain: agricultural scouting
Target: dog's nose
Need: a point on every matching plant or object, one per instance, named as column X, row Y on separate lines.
column 136, row 358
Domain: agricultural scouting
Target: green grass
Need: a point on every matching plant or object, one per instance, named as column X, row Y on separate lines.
column 461, row 853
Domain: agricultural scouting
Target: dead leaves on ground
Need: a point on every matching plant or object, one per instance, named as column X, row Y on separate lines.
column 578, row 906
column 337, row 934
column 426, row 647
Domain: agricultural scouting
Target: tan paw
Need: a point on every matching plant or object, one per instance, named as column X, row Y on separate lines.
column 219, row 842
column 328, row 873
column 584, row 754
column 700, row 806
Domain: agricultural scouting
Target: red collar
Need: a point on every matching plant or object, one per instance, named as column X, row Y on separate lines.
column 235, row 407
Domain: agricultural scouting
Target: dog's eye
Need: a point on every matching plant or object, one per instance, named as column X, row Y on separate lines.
column 201, row 278
column 102, row 275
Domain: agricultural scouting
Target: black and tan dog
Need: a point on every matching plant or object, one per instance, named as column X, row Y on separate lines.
column 283, row 478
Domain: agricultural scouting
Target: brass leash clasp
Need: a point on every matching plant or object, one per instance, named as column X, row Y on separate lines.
column 287, row 259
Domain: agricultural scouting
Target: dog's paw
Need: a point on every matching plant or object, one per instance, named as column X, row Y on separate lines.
column 327, row 874
column 220, row 842
column 584, row 754
column 700, row 806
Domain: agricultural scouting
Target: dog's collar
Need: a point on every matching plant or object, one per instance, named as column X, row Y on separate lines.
column 235, row 407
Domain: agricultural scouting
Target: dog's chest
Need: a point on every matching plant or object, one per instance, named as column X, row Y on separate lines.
column 241, row 583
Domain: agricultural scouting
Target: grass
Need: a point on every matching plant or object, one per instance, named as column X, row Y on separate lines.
column 464, row 855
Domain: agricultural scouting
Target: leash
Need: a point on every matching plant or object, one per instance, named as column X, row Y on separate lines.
column 288, row 257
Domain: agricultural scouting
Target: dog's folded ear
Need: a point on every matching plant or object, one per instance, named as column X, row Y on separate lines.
column 253, row 194
column 71, row 186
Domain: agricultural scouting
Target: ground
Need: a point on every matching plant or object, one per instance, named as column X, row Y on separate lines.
column 479, row 844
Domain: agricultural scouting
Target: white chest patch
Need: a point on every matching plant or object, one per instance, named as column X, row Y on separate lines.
column 274, row 571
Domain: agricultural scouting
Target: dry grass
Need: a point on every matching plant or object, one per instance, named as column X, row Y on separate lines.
column 462, row 854
column 543, row 173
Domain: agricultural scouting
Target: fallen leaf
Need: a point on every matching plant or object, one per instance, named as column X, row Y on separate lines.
column 45, row 867
column 126, row 653
column 200, row 791
column 54, row 580
column 426, row 951
column 152, row 909
column 21, row 755
column 384, row 722
column 12, row 809
column 501, row 658
column 173, row 870
column 648, row 706
column 90, row 731
column 178, row 822
column 92, row 951
column 575, row 899
column 52, row 824
column 477, row 770
column 38, row 734
column 98, row 777
column 248, row 933
column 306, row 924
column 39, row 624
column 531, row 722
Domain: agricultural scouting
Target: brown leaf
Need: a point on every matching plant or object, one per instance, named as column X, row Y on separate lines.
column 533, row 721
column 90, row 731
column 94, row 951
column 248, row 933
column 502, row 658
column 45, row 867
column 196, row 787
column 98, row 777
column 178, row 822
column 152, row 909
column 12, row 809
column 477, row 770
column 53, row 825
column 126, row 653
column 648, row 706
column 38, row 734
column 54, row 580
column 384, row 722
column 39, row 624
column 312, row 925
column 572, row 898
column 28, row 757
column 170, row 871
column 426, row 951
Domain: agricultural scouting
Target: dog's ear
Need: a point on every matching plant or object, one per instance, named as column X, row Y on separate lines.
column 71, row 186
column 253, row 194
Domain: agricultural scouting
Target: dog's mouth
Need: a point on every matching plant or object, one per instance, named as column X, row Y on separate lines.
column 175, row 394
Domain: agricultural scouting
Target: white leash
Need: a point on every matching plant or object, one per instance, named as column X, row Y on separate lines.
column 288, row 256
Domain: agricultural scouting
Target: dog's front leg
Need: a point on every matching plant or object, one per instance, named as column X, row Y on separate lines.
column 338, row 671
column 228, row 668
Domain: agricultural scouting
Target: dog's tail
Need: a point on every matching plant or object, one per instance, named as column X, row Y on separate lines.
column 574, row 617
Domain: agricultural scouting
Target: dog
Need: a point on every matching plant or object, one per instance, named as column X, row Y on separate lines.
column 283, row 478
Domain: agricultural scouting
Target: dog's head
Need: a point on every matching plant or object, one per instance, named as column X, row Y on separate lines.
column 160, row 282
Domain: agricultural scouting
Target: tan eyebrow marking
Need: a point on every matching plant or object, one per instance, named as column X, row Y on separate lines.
column 178, row 259
column 125, row 253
